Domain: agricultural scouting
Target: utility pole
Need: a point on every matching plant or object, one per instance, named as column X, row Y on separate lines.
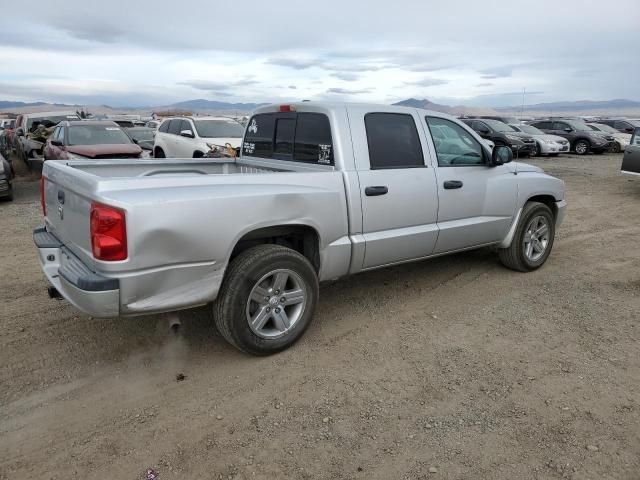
column 522, row 109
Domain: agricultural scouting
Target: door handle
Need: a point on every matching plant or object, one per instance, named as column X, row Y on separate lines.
column 375, row 191
column 452, row 184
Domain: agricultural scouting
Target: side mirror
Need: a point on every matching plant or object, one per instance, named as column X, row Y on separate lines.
column 56, row 143
column 187, row 133
column 568, row 129
column 629, row 130
column 500, row 155
column 20, row 132
column 484, row 132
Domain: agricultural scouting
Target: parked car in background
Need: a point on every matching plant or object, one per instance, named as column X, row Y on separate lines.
column 501, row 118
column 6, row 179
column 631, row 158
column 144, row 137
column 153, row 124
column 546, row 144
column 620, row 140
column 622, row 125
column 6, row 130
column 90, row 140
column 321, row 191
column 194, row 137
column 34, row 132
column 13, row 138
column 500, row 133
column 581, row 137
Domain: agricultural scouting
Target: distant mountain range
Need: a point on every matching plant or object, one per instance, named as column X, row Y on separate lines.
column 586, row 106
column 436, row 107
column 583, row 107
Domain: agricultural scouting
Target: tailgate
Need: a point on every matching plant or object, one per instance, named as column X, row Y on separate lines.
column 67, row 213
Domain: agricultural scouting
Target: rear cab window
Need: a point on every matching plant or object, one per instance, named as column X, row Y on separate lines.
column 296, row 136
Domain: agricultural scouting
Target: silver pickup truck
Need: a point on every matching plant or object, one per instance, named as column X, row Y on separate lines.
column 318, row 192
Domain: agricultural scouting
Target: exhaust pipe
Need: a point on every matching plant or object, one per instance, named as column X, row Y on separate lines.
column 54, row 293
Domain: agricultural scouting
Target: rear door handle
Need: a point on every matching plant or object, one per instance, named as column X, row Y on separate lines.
column 375, row 191
column 452, row 184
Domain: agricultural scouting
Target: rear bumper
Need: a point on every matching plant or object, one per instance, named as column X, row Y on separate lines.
column 89, row 292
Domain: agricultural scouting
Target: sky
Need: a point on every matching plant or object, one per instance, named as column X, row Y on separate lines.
column 461, row 52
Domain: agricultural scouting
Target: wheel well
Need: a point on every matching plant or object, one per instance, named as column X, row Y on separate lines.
column 198, row 154
column 157, row 149
column 548, row 200
column 582, row 139
column 301, row 238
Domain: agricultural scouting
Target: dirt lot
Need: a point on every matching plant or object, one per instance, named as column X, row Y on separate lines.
column 453, row 368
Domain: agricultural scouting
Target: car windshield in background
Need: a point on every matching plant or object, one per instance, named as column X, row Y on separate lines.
column 498, row 126
column 219, row 128
column 635, row 123
column 530, row 129
column 605, row 128
column 581, row 127
column 141, row 134
column 97, row 135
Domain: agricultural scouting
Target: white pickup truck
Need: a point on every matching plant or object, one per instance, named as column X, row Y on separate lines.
column 319, row 191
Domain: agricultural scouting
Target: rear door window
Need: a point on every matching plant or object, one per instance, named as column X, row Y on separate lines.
column 301, row 137
column 175, row 126
column 393, row 141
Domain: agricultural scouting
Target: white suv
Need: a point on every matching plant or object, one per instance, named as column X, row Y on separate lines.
column 193, row 137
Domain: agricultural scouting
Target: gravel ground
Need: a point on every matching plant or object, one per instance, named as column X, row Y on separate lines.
column 453, row 368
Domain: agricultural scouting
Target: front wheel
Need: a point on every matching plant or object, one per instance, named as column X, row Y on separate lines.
column 533, row 239
column 581, row 147
column 266, row 300
column 536, row 150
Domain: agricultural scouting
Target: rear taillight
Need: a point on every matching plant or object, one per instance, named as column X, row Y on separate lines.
column 43, row 187
column 108, row 230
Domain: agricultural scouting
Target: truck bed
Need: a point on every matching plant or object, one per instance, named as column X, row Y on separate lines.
column 187, row 166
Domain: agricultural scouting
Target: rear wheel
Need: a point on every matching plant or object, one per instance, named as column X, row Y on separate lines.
column 532, row 241
column 266, row 300
column 581, row 147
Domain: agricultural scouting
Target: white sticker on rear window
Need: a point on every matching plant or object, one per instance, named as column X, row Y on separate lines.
column 324, row 154
column 73, row 117
column 112, row 128
column 249, row 147
column 253, row 127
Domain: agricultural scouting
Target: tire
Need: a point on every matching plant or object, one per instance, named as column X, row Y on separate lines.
column 616, row 147
column 554, row 154
column 536, row 150
column 198, row 154
column 581, row 147
column 250, row 276
column 516, row 256
column 159, row 153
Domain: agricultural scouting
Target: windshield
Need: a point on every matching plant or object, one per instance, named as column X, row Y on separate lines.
column 219, row 128
column 580, row 127
column 530, row 129
column 603, row 128
column 498, row 126
column 32, row 123
column 141, row 134
column 97, row 135
column 635, row 123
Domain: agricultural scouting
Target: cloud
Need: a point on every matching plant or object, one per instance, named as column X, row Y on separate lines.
column 346, row 76
column 428, row 82
column 296, row 63
column 293, row 87
column 217, row 86
column 347, row 91
column 485, row 84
